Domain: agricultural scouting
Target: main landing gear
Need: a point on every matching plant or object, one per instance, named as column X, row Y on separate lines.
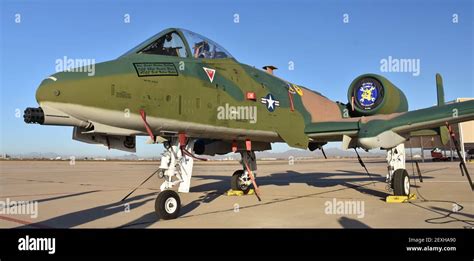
column 176, row 169
column 397, row 176
column 242, row 179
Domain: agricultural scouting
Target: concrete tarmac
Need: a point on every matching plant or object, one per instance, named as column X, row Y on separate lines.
column 335, row 193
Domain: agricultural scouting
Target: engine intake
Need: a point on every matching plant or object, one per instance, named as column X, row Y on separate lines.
column 371, row 94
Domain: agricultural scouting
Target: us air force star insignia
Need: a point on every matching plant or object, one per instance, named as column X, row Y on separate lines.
column 270, row 101
column 210, row 73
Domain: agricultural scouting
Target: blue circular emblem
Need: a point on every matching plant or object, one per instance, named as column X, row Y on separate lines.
column 367, row 95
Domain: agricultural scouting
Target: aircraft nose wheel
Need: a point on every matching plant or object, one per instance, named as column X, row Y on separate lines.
column 240, row 181
column 401, row 183
column 167, row 205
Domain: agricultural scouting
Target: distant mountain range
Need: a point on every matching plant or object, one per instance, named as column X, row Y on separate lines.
column 296, row 153
column 265, row 155
column 56, row 156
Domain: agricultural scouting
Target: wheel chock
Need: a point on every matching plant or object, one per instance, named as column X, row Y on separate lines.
column 232, row 192
column 400, row 199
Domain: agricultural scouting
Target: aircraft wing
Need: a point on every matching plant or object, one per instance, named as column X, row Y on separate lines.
column 386, row 130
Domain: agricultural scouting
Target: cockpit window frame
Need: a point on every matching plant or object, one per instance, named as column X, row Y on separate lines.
column 189, row 54
column 185, row 42
column 163, row 33
column 215, row 44
column 152, row 39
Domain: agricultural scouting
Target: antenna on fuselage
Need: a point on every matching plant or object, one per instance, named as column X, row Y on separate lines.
column 269, row 68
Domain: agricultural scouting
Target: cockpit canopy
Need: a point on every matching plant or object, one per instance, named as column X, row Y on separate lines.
column 180, row 43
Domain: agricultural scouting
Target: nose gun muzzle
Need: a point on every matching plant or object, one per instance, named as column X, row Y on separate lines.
column 34, row 115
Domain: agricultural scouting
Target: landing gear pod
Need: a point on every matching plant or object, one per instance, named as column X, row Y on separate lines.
column 371, row 94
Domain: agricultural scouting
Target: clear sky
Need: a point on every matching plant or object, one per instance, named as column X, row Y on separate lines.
column 327, row 52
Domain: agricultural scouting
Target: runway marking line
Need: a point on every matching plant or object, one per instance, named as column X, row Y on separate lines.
column 48, row 194
column 62, row 193
column 23, row 222
column 444, row 181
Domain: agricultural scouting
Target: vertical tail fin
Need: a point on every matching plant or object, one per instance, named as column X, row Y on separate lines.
column 439, row 89
column 443, row 131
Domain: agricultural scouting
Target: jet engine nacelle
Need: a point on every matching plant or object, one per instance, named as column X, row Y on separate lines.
column 371, row 94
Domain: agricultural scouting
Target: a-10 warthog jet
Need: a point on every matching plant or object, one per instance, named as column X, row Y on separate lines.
column 189, row 93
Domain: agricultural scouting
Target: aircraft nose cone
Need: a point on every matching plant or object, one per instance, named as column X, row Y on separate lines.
column 47, row 90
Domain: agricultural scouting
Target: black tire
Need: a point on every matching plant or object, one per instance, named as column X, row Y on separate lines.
column 235, row 183
column 167, row 205
column 401, row 182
